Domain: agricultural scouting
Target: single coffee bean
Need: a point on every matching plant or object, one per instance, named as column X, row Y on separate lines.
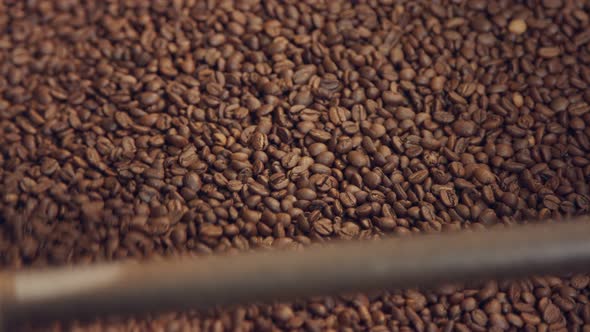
column 437, row 83
column 148, row 98
column 418, row 177
column 306, row 193
column 517, row 26
column 551, row 202
column 210, row 230
column 358, row 158
column 323, row 227
column 464, row 128
column 549, row 52
column 348, row 199
column 517, row 99
column 386, row 223
column 552, row 4
column 483, row 175
column 551, row 314
column 509, row 199
column 449, row 198
column 488, row 217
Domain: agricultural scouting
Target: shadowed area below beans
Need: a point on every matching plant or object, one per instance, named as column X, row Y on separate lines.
column 140, row 129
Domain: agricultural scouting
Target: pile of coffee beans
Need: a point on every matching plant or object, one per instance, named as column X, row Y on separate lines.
column 141, row 129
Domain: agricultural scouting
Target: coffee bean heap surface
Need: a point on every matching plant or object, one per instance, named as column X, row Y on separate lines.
column 142, row 129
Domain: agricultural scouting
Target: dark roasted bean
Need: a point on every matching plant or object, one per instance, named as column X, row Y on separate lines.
column 140, row 130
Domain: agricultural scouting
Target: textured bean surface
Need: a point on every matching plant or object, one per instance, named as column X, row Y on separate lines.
column 141, row 129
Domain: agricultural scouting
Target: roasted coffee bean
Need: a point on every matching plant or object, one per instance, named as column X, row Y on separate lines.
column 483, row 175
column 549, row 52
column 418, row 177
column 551, row 314
column 517, row 26
column 135, row 130
column 358, row 158
column 464, row 127
column 449, row 198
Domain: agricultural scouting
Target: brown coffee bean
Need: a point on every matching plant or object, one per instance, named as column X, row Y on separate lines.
column 283, row 313
column 464, row 128
column 517, row 99
column 386, row 223
column 552, row 3
column 192, row 181
column 515, row 320
column 347, row 199
column 483, row 175
column 449, row 198
column 305, row 193
column 323, row 227
column 190, row 128
column 427, row 212
column 148, row 98
column 259, row 141
column 517, row 26
column 549, row 52
column 405, row 113
column 49, row 166
column 210, row 230
column 358, row 158
column 559, row 104
column 176, row 140
column 551, row 314
column 437, row 83
column 479, row 317
column 418, row 177
column 372, row 179
column 326, row 158
column 498, row 321
column 393, row 98
column 407, row 74
column 488, row 217
column 349, row 230
column 551, row 202
column 530, row 318
column 252, row 216
column 504, row 150
column 92, row 211
column 509, row 199
column 580, row 281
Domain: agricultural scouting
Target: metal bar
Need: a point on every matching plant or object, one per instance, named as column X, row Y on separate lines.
column 424, row 260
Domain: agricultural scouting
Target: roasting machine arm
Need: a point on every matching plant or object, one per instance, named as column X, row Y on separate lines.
column 200, row 283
